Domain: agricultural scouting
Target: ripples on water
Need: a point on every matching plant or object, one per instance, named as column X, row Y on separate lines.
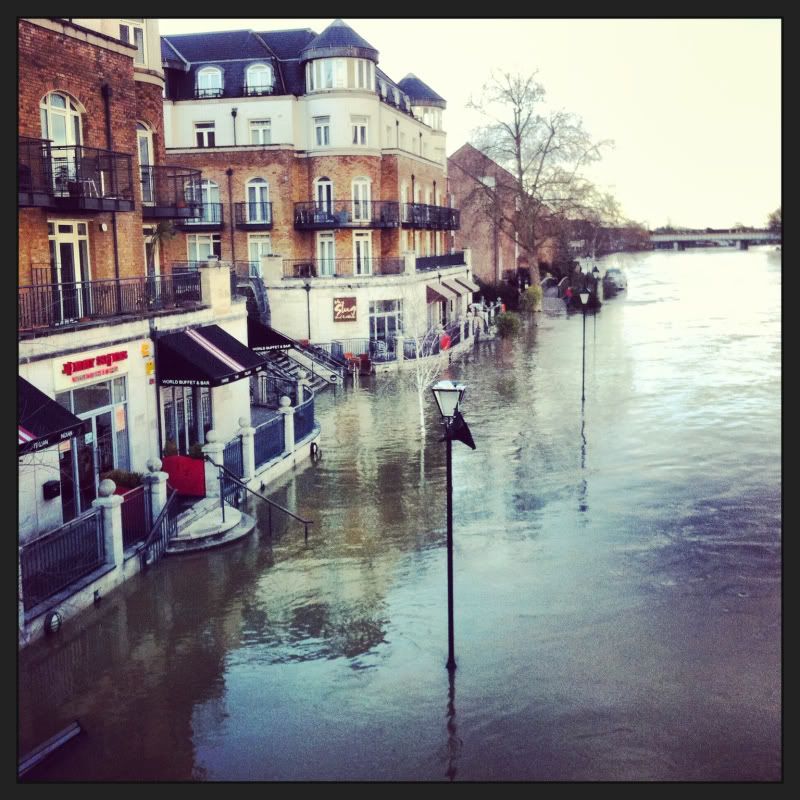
column 617, row 569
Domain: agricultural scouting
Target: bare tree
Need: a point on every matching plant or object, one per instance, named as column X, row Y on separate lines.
column 544, row 151
column 775, row 221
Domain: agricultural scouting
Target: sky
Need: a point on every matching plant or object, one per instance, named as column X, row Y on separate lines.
column 693, row 106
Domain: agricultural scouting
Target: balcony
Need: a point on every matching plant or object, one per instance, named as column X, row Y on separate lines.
column 73, row 177
column 171, row 192
column 209, row 219
column 434, row 218
column 256, row 91
column 54, row 305
column 254, row 216
column 207, row 92
column 346, row 214
column 426, row 263
column 341, row 267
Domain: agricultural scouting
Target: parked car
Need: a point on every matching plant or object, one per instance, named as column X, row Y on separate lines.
column 614, row 281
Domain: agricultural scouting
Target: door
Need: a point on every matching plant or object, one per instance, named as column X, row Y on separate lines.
column 61, row 123
column 151, row 252
column 70, row 271
column 361, row 205
column 324, row 196
column 257, row 200
column 362, row 253
column 326, row 255
column 258, row 245
column 145, row 140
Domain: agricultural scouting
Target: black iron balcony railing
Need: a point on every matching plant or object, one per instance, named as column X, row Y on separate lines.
column 256, row 91
column 50, row 305
column 34, row 172
column 256, row 216
column 438, row 218
column 171, row 192
column 210, row 218
column 425, row 263
column 347, row 214
column 207, row 91
column 341, row 267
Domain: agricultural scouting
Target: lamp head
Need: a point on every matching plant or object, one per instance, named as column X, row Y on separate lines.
column 448, row 395
column 584, row 295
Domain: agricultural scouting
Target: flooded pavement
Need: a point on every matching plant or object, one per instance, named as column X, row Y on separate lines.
column 617, row 574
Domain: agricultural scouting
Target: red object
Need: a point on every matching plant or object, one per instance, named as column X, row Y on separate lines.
column 186, row 475
column 503, row 307
column 444, row 341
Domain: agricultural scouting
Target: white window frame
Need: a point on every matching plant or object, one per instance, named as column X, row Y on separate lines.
column 260, row 131
column 365, row 255
column 323, row 194
column 212, row 239
column 322, row 131
column 326, row 252
column 359, row 127
column 259, row 86
column 203, row 76
column 128, row 30
column 361, row 193
column 256, row 246
column 205, row 134
column 256, row 191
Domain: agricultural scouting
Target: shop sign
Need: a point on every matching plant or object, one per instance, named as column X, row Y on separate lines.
column 88, row 368
column 344, row 309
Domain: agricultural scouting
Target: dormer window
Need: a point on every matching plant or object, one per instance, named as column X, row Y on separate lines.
column 209, row 82
column 384, row 90
column 259, row 80
column 131, row 31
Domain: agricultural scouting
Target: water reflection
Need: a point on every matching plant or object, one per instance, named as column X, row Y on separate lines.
column 454, row 744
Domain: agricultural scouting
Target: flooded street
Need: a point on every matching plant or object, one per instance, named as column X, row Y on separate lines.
column 617, row 574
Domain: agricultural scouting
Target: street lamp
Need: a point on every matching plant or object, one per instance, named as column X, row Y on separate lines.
column 584, row 295
column 307, row 287
column 448, row 395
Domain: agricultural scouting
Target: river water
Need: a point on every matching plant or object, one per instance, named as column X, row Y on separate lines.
column 617, row 574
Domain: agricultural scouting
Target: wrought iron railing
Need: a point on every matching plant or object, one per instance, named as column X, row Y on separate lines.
column 204, row 92
column 253, row 214
column 58, row 559
column 164, row 528
column 341, row 267
column 256, row 91
column 171, row 191
column 420, row 215
column 347, row 214
column 304, row 417
column 210, row 214
column 425, row 263
column 271, row 387
column 34, row 171
column 53, row 304
column 269, row 441
column 232, row 456
column 136, row 518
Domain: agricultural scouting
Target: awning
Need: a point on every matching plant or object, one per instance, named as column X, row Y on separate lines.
column 457, row 287
column 206, row 356
column 471, row 285
column 261, row 337
column 42, row 421
column 438, row 291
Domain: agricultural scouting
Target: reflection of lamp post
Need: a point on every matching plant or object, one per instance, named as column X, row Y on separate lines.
column 596, row 276
column 584, row 295
column 448, row 395
column 307, row 287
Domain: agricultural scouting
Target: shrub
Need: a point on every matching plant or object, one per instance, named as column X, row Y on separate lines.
column 196, row 450
column 128, row 480
column 531, row 298
column 508, row 324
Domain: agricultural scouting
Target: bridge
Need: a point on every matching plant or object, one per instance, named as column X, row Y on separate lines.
column 741, row 238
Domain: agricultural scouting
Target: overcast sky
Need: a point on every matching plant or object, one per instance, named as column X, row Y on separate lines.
column 693, row 106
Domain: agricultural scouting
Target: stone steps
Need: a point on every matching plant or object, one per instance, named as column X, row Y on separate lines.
column 207, row 529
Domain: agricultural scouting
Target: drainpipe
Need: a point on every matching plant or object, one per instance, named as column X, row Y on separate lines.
column 107, row 93
column 234, row 112
column 229, row 173
column 397, row 130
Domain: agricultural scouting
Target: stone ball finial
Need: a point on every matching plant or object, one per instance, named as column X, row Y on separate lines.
column 244, row 422
column 284, row 402
column 153, row 464
column 106, row 488
column 302, row 374
column 211, row 436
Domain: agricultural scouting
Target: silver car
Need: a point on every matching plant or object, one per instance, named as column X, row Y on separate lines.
column 614, row 280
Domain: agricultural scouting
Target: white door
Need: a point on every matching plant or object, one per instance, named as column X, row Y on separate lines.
column 151, row 251
column 326, row 254
column 362, row 253
column 258, row 244
column 361, row 205
column 70, row 270
column 257, row 201
column 324, row 196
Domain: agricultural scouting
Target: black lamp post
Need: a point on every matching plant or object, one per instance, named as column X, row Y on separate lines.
column 448, row 395
column 584, row 295
column 307, row 287
column 596, row 276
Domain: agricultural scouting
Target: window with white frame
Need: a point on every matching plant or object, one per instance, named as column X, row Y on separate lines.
column 362, row 252
column 323, row 193
column 385, row 320
column 201, row 246
column 258, row 244
column 61, row 123
column 260, row 131
column 359, row 128
column 361, row 199
column 326, row 253
column 258, row 208
column 131, row 31
column 322, row 131
column 205, row 134
column 364, row 74
column 259, row 79
column 209, row 82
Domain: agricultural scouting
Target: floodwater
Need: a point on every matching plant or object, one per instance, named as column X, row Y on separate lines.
column 617, row 574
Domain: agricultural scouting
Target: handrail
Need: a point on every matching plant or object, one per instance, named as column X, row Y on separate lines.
column 159, row 519
column 270, row 503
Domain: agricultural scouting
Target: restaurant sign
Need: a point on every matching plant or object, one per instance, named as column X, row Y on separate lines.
column 344, row 309
column 87, row 368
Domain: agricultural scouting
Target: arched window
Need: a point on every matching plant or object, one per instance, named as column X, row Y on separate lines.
column 144, row 137
column 258, row 200
column 61, row 123
column 323, row 194
column 259, row 79
column 209, row 82
column 362, row 209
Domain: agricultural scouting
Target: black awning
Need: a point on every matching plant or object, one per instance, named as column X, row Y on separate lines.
column 261, row 337
column 42, row 422
column 206, row 356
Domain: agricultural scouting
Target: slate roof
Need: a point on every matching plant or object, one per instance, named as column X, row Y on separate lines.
column 420, row 93
column 217, row 45
column 339, row 39
column 288, row 44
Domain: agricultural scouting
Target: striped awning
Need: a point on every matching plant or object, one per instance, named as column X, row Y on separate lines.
column 456, row 287
column 206, row 356
column 438, row 291
column 471, row 285
column 41, row 421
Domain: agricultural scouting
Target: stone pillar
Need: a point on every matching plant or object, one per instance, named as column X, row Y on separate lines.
column 302, row 382
column 400, row 348
column 214, row 449
column 272, row 270
column 288, row 424
column 409, row 263
column 215, row 285
column 468, row 260
column 156, row 485
column 248, row 433
column 111, row 507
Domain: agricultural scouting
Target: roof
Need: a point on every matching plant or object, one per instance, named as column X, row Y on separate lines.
column 473, row 163
column 339, row 39
column 420, row 93
column 288, row 44
column 217, row 45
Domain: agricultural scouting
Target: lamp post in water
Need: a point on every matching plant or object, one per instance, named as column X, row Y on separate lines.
column 448, row 395
column 584, row 295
